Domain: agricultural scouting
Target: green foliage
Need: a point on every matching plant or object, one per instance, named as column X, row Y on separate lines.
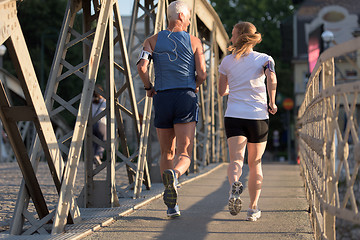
column 266, row 15
column 41, row 23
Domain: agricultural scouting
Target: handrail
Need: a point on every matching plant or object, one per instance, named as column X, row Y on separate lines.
column 329, row 145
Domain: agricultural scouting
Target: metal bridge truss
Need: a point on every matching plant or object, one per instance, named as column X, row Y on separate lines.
column 100, row 37
column 34, row 111
column 27, row 129
column 329, row 146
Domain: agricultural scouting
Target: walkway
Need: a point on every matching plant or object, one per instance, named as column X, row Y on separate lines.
column 203, row 205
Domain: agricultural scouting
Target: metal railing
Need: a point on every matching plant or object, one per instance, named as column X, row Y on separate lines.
column 329, row 146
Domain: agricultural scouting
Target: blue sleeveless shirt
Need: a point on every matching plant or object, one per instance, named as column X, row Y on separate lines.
column 174, row 63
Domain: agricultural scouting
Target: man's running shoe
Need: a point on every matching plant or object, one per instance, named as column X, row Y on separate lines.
column 173, row 212
column 235, row 202
column 253, row 214
column 170, row 183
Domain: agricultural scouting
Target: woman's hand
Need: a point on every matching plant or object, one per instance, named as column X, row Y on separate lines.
column 272, row 108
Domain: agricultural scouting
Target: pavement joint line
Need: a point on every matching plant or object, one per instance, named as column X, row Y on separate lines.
column 141, row 204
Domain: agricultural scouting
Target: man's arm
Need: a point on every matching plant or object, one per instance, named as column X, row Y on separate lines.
column 200, row 65
column 143, row 70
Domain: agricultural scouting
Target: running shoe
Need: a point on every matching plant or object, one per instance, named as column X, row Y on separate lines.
column 253, row 214
column 170, row 183
column 235, row 202
column 173, row 212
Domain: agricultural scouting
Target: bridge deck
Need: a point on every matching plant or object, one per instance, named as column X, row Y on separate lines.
column 205, row 216
column 203, row 204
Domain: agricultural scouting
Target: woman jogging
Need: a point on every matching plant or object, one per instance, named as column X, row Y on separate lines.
column 242, row 77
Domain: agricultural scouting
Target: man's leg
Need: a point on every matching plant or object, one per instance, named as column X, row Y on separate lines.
column 166, row 138
column 167, row 147
column 184, row 133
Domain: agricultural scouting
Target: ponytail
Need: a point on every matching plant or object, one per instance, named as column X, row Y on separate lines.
column 247, row 38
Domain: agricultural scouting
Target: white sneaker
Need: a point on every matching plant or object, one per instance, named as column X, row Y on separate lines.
column 235, row 202
column 253, row 214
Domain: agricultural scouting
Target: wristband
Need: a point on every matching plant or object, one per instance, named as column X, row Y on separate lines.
column 149, row 88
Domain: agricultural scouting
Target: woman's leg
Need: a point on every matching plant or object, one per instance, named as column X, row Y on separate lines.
column 255, row 152
column 237, row 147
column 166, row 138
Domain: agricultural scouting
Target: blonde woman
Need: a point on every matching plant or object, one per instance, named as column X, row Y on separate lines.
column 242, row 77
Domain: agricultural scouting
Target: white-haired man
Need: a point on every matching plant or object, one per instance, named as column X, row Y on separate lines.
column 180, row 69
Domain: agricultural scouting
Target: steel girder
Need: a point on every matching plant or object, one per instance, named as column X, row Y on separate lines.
column 34, row 111
column 97, row 40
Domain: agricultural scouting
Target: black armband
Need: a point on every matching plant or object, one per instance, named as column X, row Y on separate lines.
column 144, row 55
column 270, row 65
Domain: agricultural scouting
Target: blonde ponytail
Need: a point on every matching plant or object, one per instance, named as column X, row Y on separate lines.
column 247, row 38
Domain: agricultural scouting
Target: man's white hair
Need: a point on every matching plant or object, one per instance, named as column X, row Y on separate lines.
column 175, row 8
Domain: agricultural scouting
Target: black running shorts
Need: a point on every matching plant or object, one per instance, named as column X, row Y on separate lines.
column 255, row 131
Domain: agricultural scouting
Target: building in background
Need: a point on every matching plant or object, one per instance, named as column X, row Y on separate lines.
column 311, row 20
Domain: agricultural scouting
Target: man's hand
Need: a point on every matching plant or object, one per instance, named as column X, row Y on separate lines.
column 151, row 92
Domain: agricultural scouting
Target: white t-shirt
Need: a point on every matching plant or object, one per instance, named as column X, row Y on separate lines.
column 247, row 90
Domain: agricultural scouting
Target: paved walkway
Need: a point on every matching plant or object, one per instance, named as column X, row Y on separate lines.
column 203, row 205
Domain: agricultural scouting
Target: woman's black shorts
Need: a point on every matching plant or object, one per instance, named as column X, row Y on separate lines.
column 255, row 131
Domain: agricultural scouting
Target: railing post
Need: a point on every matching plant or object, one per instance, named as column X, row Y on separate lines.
column 329, row 219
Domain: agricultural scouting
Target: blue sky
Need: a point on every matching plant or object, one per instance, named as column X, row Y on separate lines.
column 126, row 7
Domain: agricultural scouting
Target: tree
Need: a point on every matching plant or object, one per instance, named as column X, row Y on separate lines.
column 266, row 15
column 41, row 23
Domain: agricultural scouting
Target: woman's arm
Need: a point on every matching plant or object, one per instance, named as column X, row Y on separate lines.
column 271, row 88
column 223, row 85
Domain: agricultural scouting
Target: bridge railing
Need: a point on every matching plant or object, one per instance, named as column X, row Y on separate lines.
column 329, row 146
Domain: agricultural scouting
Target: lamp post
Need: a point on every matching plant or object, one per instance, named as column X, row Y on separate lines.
column 327, row 37
column 356, row 33
column 2, row 53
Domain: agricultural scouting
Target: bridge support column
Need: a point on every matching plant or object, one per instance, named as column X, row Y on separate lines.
column 34, row 111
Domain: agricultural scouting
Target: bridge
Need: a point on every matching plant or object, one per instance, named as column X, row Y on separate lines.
column 328, row 151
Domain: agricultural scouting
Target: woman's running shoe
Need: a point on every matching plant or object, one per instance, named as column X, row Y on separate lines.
column 253, row 214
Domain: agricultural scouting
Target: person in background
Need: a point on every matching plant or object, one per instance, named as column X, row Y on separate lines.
column 242, row 77
column 99, row 128
column 180, row 69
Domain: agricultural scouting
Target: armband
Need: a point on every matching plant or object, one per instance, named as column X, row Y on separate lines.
column 270, row 65
column 144, row 55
